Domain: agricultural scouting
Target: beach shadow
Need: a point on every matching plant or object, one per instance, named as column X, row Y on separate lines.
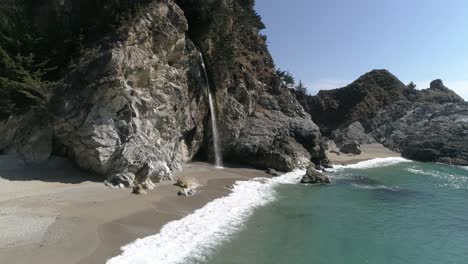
column 59, row 170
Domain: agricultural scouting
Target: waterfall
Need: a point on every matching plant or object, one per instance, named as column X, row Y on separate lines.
column 214, row 126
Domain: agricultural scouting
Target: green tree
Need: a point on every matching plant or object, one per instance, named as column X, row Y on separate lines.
column 412, row 85
column 286, row 78
column 301, row 88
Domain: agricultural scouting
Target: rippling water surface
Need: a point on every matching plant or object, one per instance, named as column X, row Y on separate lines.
column 402, row 213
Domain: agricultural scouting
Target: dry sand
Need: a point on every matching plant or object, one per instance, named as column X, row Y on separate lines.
column 370, row 151
column 57, row 214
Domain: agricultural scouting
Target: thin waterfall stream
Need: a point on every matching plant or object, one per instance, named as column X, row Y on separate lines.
column 214, row 126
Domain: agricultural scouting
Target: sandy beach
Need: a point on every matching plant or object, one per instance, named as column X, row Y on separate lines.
column 59, row 214
column 369, row 151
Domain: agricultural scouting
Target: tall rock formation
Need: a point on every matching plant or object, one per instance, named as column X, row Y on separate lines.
column 135, row 107
column 425, row 125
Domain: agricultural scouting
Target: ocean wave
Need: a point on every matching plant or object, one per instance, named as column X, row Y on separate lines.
column 194, row 236
column 376, row 187
column 450, row 180
column 373, row 163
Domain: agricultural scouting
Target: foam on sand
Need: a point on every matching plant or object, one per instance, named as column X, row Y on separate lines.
column 193, row 237
column 373, row 163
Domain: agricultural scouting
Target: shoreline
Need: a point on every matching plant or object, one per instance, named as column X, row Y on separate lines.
column 369, row 151
column 87, row 222
column 51, row 220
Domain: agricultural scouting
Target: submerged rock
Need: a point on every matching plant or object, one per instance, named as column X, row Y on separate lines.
column 273, row 172
column 313, row 177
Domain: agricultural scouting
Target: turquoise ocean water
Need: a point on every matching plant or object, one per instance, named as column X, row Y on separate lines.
column 405, row 213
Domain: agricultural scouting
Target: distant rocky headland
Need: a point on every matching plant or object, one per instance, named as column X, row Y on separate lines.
column 429, row 125
column 126, row 98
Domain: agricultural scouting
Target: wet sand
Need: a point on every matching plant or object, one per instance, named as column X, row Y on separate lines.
column 57, row 215
column 369, row 151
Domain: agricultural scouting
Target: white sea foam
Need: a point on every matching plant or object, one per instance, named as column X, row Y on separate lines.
column 376, row 187
column 193, row 237
column 373, row 163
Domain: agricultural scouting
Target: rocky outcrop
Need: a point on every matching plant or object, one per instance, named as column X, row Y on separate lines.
column 355, row 132
column 260, row 122
column 28, row 136
column 358, row 102
column 424, row 125
column 426, row 132
column 135, row 108
column 135, row 111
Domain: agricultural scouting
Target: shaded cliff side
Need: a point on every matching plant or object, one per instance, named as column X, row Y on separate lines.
column 133, row 104
column 425, row 125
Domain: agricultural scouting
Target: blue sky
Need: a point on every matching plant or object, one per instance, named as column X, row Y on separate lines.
column 329, row 43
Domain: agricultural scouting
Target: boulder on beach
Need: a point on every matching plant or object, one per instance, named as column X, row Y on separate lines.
column 187, row 182
column 186, row 192
column 139, row 190
column 352, row 147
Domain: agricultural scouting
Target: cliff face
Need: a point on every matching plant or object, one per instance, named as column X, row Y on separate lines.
column 135, row 108
column 425, row 125
column 138, row 108
column 260, row 122
column 359, row 101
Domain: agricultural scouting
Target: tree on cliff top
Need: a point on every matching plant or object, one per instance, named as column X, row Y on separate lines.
column 286, row 78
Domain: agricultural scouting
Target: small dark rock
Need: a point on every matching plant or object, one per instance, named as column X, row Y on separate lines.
column 139, row 190
column 186, row 192
column 273, row 172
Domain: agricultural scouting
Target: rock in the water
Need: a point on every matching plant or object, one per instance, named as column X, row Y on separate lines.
column 352, row 147
column 273, row 172
column 313, row 177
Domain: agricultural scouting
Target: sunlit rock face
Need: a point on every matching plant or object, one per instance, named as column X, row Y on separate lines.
column 137, row 109
column 135, row 106
column 425, row 125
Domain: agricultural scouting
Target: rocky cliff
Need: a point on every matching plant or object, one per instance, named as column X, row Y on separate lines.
column 425, row 125
column 135, row 107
